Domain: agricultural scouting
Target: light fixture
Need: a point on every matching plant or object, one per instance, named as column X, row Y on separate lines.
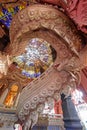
column 4, row 64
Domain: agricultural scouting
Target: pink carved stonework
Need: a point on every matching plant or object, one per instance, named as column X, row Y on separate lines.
column 75, row 9
column 61, row 3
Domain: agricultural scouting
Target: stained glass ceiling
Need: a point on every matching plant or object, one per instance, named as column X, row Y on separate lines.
column 6, row 15
column 36, row 59
column 7, row 12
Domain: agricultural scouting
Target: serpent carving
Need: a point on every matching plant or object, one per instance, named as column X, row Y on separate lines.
column 47, row 23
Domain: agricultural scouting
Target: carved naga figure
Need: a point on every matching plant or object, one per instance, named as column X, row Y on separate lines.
column 75, row 9
column 47, row 23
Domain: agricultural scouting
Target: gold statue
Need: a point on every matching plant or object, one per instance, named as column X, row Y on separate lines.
column 11, row 97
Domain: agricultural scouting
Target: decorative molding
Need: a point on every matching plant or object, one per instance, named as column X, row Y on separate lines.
column 7, row 119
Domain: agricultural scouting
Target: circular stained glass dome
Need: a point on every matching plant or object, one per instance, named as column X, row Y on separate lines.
column 36, row 58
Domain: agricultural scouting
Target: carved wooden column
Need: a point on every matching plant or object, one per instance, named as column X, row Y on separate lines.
column 70, row 116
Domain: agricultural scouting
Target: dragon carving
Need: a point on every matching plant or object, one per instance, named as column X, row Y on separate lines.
column 48, row 23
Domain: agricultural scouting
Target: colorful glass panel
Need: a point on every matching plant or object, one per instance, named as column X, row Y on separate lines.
column 6, row 15
column 36, row 59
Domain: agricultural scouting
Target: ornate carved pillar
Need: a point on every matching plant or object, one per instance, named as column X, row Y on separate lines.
column 70, row 116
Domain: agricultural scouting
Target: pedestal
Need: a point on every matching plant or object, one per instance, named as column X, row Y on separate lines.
column 70, row 115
